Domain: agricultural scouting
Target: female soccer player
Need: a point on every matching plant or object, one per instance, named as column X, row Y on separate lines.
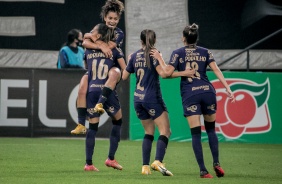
column 198, row 94
column 111, row 13
column 98, row 68
column 148, row 103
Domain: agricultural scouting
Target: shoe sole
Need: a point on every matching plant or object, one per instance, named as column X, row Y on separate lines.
column 91, row 170
column 209, row 176
column 78, row 133
column 117, row 168
column 147, row 173
column 162, row 170
column 218, row 173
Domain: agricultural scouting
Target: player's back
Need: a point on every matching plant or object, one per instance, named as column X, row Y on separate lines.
column 197, row 58
column 98, row 66
column 147, row 79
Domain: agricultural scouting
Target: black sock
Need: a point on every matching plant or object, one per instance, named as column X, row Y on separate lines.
column 81, row 111
column 213, row 140
column 146, row 148
column 90, row 142
column 197, row 147
column 114, row 138
column 161, row 147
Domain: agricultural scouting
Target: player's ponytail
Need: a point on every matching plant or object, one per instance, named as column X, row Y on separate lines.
column 191, row 33
column 148, row 37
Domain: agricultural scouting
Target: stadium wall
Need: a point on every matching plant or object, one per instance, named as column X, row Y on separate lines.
column 42, row 103
column 32, row 32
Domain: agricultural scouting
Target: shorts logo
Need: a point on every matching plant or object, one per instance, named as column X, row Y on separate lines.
column 152, row 112
column 249, row 114
column 111, row 109
column 192, row 108
column 91, row 111
column 212, row 107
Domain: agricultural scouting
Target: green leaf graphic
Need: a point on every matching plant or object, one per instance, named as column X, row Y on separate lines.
column 260, row 91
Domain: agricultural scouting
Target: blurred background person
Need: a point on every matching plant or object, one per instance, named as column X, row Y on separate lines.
column 71, row 54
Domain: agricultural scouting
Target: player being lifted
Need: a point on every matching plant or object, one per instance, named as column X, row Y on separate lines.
column 98, row 67
column 110, row 13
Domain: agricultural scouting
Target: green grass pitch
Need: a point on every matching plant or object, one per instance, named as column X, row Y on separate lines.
column 52, row 161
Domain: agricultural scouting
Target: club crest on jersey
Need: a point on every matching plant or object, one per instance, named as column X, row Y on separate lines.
column 154, row 62
column 249, row 114
column 174, row 57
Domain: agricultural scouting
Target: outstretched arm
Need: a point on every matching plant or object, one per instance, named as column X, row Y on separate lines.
column 168, row 69
column 125, row 73
column 122, row 64
column 220, row 76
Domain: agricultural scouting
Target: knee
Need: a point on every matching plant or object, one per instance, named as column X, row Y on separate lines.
column 83, row 88
column 114, row 74
column 166, row 132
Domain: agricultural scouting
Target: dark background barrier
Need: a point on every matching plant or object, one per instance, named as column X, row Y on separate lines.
column 236, row 24
column 41, row 102
column 52, row 21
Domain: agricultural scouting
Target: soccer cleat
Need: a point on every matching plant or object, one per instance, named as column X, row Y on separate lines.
column 205, row 174
column 79, row 129
column 90, row 168
column 146, row 170
column 218, row 170
column 158, row 166
column 113, row 163
column 99, row 108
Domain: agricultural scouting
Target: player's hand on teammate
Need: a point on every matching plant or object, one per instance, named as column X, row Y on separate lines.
column 156, row 54
column 189, row 72
column 106, row 49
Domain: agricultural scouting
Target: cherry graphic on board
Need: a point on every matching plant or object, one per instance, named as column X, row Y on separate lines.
column 243, row 110
column 232, row 131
